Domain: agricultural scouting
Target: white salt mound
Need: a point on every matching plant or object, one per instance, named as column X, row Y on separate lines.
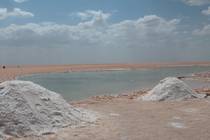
column 28, row 109
column 171, row 88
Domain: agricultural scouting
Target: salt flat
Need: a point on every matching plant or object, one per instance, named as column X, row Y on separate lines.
column 136, row 120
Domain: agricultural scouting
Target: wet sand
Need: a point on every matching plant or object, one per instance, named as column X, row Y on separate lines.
column 11, row 72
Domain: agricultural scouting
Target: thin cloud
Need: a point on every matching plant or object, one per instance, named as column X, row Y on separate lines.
column 16, row 12
column 20, row 1
column 93, row 14
column 206, row 12
column 196, row 2
column 205, row 31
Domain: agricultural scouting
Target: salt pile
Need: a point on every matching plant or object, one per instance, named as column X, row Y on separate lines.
column 171, row 88
column 28, row 109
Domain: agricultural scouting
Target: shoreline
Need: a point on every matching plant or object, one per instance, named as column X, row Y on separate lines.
column 12, row 71
column 123, row 115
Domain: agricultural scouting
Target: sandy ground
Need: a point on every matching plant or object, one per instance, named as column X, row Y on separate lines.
column 13, row 71
column 123, row 118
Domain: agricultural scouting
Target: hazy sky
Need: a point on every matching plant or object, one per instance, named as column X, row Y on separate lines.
column 103, row 31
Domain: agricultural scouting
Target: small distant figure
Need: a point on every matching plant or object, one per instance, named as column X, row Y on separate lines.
column 3, row 67
column 181, row 77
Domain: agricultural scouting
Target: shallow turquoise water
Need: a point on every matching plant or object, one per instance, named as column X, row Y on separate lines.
column 80, row 85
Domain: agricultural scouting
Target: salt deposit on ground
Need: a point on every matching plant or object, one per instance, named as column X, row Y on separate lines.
column 177, row 125
column 171, row 88
column 29, row 109
column 190, row 110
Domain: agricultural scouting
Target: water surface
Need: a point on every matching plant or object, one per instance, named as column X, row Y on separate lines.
column 80, row 85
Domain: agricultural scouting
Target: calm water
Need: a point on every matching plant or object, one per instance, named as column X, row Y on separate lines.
column 80, row 85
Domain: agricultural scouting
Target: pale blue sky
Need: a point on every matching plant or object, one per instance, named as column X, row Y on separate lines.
column 103, row 31
column 59, row 11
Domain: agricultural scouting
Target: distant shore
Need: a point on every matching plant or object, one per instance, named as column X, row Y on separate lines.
column 12, row 71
